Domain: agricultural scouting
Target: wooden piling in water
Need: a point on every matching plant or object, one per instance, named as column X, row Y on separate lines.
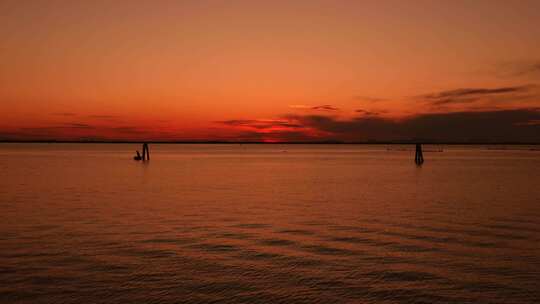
column 419, row 156
column 146, row 152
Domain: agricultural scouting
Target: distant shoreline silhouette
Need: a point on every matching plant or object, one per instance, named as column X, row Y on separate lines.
column 274, row 143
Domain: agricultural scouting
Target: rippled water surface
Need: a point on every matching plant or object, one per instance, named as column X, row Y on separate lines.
column 268, row 224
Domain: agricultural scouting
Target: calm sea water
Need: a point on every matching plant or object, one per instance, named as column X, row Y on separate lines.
column 268, row 224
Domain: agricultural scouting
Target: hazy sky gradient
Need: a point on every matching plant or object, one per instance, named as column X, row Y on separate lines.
column 260, row 70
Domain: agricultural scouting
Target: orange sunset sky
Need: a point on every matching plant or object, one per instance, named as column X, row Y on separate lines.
column 270, row 70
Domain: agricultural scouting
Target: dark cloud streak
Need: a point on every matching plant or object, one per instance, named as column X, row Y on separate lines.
column 325, row 108
column 105, row 117
column 486, row 126
column 367, row 113
column 259, row 124
column 471, row 95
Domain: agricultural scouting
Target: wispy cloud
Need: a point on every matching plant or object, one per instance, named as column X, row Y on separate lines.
column 78, row 126
column 260, row 123
column 527, row 69
column 325, row 108
column 128, row 129
column 533, row 68
column 64, row 114
column 103, row 116
column 368, row 113
column 80, row 131
column 70, row 125
column 470, row 95
column 369, row 99
column 273, row 136
column 299, row 106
